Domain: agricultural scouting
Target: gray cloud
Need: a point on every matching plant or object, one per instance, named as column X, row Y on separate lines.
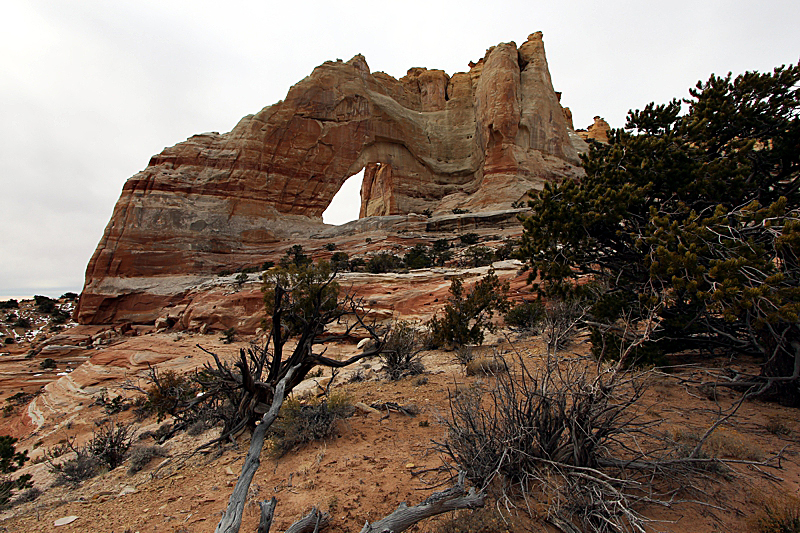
column 90, row 90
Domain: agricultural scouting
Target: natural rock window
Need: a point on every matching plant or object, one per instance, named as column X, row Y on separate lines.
column 345, row 205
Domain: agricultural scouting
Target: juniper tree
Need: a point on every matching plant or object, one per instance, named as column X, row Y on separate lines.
column 692, row 221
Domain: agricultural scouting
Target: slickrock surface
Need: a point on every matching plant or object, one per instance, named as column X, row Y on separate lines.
column 432, row 143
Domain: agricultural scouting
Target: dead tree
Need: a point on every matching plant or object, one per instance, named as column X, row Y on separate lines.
column 451, row 499
column 302, row 302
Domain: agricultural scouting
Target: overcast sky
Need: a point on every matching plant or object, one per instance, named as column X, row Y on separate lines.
column 91, row 89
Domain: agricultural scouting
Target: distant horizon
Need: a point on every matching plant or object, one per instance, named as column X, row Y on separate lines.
column 28, row 294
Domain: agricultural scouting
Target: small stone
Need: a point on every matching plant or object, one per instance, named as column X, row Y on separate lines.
column 229, row 471
column 364, row 408
column 127, row 490
column 410, row 465
column 65, row 520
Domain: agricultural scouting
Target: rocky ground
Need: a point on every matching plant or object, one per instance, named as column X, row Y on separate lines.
column 374, row 461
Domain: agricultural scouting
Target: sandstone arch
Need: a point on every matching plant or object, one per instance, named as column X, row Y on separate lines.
column 427, row 141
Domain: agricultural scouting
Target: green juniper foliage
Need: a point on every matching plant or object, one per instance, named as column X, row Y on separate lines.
column 418, row 257
column 11, row 461
column 312, row 292
column 468, row 313
column 692, row 220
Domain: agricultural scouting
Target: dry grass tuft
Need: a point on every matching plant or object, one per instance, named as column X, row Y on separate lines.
column 777, row 516
column 485, row 520
column 486, row 366
column 723, row 443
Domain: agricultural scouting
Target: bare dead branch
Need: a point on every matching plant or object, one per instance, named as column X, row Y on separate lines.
column 451, row 499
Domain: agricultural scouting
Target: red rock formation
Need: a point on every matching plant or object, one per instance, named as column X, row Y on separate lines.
column 477, row 140
column 598, row 131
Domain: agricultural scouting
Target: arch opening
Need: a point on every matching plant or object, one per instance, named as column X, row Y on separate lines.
column 346, row 203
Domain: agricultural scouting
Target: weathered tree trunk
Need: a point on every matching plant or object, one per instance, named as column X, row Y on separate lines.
column 267, row 512
column 232, row 517
column 310, row 523
column 456, row 497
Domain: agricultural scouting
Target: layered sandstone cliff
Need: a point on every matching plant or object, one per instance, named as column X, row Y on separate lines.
column 428, row 142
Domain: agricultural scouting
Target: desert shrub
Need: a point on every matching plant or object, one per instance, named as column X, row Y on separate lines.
column 164, row 432
column 552, row 429
column 330, row 246
column 723, row 443
column 776, row 426
column 460, row 211
column 142, row 455
column 228, row 336
column 114, row 405
column 561, row 323
column 467, row 315
column 295, row 256
column 22, row 322
column 59, row 449
column 340, row 261
column 357, row 377
column 464, row 354
column 74, row 471
column 418, row 257
column 469, row 239
column 486, row 366
column 59, row 316
column 485, row 520
column 266, row 265
column 384, row 262
column 110, row 443
column 44, row 304
column 198, row 427
column 526, row 315
column 9, row 340
column 225, row 272
column 9, row 304
column 609, row 346
column 240, row 280
column 28, row 495
column 478, row 256
column 69, row 296
column 10, row 461
column 169, row 392
column 300, row 423
column 400, row 354
column 47, row 364
column 777, row 516
column 358, row 264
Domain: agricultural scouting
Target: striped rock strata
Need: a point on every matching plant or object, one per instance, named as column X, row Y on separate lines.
column 428, row 142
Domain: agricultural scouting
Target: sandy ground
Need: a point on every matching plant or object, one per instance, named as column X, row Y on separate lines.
column 374, row 460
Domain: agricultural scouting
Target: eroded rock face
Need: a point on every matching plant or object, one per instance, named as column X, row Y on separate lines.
column 428, row 142
column 598, row 131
